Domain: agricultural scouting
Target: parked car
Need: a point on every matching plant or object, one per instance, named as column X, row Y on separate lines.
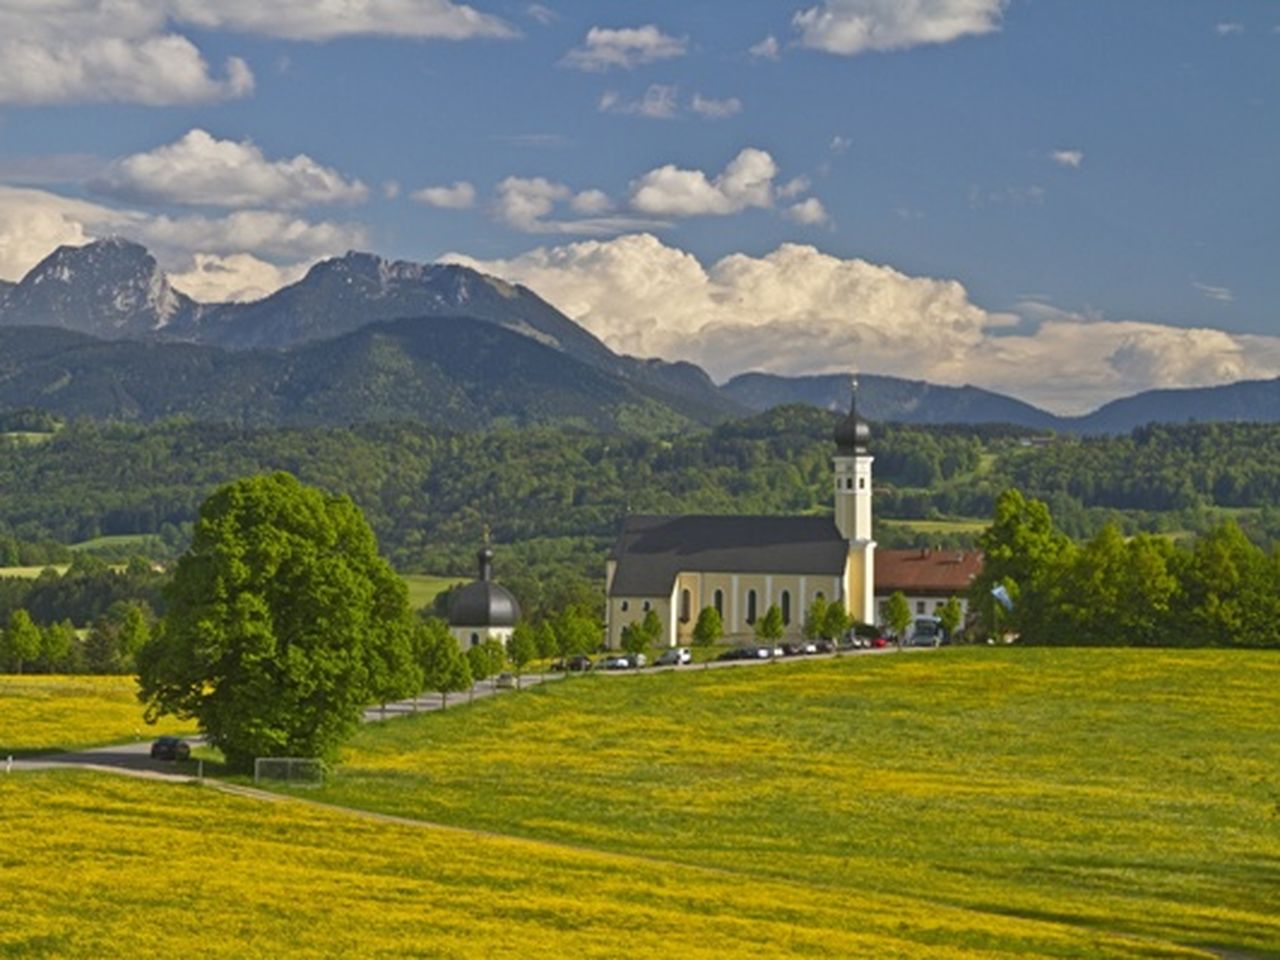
column 577, row 664
column 170, row 748
column 825, row 646
column 675, row 657
column 504, row 681
column 738, row 653
column 615, row 662
column 792, row 649
column 879, row 642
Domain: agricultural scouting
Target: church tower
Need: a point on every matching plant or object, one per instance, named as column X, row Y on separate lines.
column 852, row 464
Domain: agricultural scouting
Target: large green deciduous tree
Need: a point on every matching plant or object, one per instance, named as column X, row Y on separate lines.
column 283, row 623
column 709, row 628
column 21, row 641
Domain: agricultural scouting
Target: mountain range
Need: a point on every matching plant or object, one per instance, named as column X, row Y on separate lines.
column 363, row 338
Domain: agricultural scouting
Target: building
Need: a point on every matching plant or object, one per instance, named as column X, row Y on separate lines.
column 482, row 610
column 741, row 565
column 927, row 578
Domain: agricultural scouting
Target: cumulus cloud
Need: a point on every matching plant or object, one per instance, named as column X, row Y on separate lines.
column 460, row 196
column 809, row 212
column 133, row 51
column 1228, row 28
column 1220, row 294
column 528, row 204
column 625, row 48
column 308, row 20
column 658, row 103
column 766, row 49
column 850, row 27
column 1068, row 158
column 239, row 277
column 33, row 222
column 670, row 191
column 199, row 169
column 798, row 310
column 715, row 109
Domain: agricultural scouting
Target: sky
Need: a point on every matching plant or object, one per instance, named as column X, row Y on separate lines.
column 1067, row 201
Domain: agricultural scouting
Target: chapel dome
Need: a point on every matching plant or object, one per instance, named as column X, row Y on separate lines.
column 852, row 434
column 483, row 603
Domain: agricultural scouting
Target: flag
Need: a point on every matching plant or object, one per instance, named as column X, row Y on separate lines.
column 1002, row 596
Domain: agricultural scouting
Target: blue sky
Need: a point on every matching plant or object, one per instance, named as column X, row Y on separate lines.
column 1067, row 201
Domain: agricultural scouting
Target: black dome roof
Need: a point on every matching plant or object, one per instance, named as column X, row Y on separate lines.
column 482, row 603
column 852, row 434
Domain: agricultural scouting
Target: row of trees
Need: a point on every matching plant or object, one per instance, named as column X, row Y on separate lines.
column 110, row 645
column 1139, row 591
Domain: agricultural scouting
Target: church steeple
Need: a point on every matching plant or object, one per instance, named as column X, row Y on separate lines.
column 852, row 465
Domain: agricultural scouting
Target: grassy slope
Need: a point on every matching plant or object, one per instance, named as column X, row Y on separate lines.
column 1115, row 790
column 43, row 713
column 103, row 866
column 424, row 587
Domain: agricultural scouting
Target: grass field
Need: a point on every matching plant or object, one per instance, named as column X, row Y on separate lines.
column 137, row 540
column 1122, row 791
column 46, row 713
column 423, row 588
column 99, row 866
column 958, row 526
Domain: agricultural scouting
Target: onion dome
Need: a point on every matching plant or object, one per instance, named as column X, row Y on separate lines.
column 483, row 603
column 852, row 434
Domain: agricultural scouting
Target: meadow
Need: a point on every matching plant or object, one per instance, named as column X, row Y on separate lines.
column 40, row 714
column 1118, row 791
column 100, row 866
column 424, row 587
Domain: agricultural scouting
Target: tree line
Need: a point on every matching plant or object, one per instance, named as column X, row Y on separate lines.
column 1111, row 590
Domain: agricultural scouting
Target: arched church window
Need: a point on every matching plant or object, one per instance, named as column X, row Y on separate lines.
column 785, row 602
column 475, row 639
column 624, row 606
column 751, row 606
column 862, row 483
column 718, row 601
column 645, row 605
column 686, row 603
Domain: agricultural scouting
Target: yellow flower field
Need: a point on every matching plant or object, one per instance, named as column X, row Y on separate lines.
column 101, row 866
column 46, row 713
column 1118, row 790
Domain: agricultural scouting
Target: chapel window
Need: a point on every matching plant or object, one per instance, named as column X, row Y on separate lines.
column 751, row 606
column 785, row 603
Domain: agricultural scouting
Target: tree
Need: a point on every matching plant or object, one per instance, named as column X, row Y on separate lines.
column 709, row 628
column 522, row 647
column 949, row 616
column 116, row 637
column 578, row 632
column 283, row 623
column 652, row 627
column 486, row 659
column 60, row 649
column 815, row 618
column 444, row 668
column 835, row 622
column 21, row 641
column 769, row 627
column 548, row 642
column 897, row 614
column 635, row 639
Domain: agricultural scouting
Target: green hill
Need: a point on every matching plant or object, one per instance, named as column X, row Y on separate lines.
column 1131, row 792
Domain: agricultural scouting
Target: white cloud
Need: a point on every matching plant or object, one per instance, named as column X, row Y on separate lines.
column 390, row 189
column 850, row 27
column 528, row 203
column 1227, row 28
column 658, row 103
column 809, row 212
column 33, row 222
column 460, row 196
column 669, row 191
column 626, row 48
column 839, row 145
column 591, row 202
column 544, row 15
column 153, row 70
column 240, row 277
column 309, row 20
column 200, row 169
column 797, row 310
column 132, row 51
column 1068, row 158
column 715, row 109
column 793, row 188
column 766, row 49
column 1220, row 294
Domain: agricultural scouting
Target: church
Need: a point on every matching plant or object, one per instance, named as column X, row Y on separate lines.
column 742, row 565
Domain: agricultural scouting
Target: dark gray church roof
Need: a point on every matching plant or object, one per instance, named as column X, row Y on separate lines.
column 651, row 550
column 483, row 603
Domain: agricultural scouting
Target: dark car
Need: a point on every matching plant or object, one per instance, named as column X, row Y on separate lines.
column 170, row 748
column 825, row 646
column 578, row 664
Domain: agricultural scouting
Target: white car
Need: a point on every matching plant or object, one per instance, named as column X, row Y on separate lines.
column 675, row 657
